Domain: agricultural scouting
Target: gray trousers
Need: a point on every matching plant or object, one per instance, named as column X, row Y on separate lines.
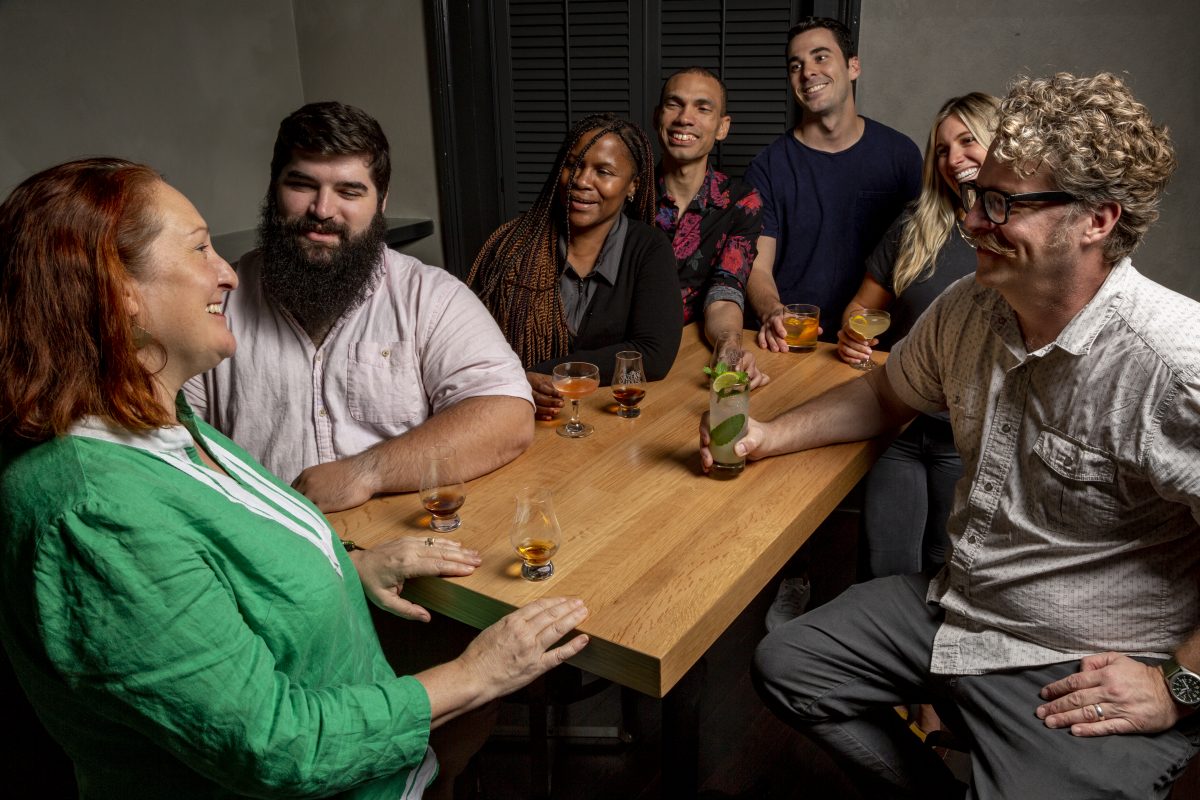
column 836, row 672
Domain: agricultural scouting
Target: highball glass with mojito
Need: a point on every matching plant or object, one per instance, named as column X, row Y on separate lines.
column 728, row 412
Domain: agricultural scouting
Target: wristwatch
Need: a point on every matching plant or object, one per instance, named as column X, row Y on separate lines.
column 1183, row 684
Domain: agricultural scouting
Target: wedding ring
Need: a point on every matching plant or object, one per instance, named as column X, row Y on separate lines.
column 429, row 543
column 1099, row 711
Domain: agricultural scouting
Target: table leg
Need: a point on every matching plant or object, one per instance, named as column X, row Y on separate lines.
column 680, row 766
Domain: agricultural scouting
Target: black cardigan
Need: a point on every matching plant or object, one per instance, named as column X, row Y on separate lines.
column 642, row 311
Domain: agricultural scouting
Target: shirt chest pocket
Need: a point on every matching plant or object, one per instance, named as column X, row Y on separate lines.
column 383, row 384
column 1076, row 487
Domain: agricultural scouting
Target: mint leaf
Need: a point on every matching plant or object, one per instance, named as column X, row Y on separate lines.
column 724, row 433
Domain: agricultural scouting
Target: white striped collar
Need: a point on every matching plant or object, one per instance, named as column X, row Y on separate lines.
column 241, row 484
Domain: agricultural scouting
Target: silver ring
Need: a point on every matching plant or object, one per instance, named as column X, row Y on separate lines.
column 429, row 543
column 1099, row 711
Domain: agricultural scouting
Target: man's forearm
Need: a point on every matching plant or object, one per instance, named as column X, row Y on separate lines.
column 761, row 290
column 485, row 432
column 861, row 409
column 722, row 318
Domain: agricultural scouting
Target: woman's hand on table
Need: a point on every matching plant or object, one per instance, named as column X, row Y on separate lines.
column 384, row 568
column 547, row 400
column 853, row 348
column 519, row 647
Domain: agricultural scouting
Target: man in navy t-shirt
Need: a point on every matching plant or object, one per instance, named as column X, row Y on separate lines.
column 830, row 187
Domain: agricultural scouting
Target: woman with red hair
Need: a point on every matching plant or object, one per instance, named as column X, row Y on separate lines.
column 184, row 623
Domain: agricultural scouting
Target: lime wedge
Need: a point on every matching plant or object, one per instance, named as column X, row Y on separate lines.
column 724, row 381
column 724, row 433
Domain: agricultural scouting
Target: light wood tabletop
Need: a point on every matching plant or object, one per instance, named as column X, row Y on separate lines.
column 664, row 557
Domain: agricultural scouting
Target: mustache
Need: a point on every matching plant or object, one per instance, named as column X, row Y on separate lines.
column 309, row 225
column 986, row 241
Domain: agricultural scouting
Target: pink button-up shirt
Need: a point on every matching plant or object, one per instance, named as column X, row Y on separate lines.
column 419, row 342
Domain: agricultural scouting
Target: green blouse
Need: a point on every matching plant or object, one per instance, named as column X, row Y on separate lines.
column 185, row 634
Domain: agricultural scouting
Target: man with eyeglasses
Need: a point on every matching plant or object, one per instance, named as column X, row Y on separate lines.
column 1069, row 609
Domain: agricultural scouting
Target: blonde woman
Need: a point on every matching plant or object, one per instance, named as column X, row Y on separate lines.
column 908, row 494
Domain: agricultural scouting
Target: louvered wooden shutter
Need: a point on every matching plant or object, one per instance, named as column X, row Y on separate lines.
column 559, row 60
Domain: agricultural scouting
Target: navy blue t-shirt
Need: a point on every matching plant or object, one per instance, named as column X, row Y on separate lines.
column 827, row 211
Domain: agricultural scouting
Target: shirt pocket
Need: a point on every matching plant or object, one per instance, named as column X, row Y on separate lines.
column 383, row 384
column 1076, row 484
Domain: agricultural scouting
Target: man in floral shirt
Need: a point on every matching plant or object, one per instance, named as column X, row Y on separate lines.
column 711, row 219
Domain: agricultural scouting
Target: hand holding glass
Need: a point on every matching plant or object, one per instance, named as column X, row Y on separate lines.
column 575, row 380
column 728, row 417
column 801, row 322
column 442, row 492
column 868, row 323
column 628, row 383
column 535, row 533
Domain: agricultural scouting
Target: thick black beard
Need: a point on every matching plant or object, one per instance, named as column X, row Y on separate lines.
column 316, row 284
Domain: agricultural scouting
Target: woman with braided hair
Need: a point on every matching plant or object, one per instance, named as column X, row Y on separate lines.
column 582, row 275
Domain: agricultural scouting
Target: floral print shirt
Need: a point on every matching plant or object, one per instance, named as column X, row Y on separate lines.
column 715, row 240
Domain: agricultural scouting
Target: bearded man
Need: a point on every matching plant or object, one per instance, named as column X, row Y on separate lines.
column 354, row 359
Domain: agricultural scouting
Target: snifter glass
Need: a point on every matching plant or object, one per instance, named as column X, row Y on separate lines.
column 535, row 532
column 629, row 383
column 442, row 491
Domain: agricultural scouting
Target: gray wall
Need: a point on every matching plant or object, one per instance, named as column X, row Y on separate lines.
column 371, row 53
column 917, row 53
column 196, row 89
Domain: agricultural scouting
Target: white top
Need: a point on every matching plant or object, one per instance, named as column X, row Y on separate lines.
column 418, row 343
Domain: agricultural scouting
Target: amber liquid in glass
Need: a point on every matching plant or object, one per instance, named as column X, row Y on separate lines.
column 537, row 551
column 628, row 396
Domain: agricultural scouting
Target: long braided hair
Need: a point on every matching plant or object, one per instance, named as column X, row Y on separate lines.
column 516, row 273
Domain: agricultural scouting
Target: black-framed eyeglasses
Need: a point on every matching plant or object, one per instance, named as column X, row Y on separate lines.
column 997, row 204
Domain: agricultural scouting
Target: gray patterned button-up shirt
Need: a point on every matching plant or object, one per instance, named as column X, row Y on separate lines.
column 1075, row 528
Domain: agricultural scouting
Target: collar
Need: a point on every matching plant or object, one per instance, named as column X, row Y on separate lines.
column 608, row 263
column 711, row 191
column 172, row 441
column 1079, row 334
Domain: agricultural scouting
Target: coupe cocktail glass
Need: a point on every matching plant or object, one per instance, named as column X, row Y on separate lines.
column 575, row 380
column 869, row 323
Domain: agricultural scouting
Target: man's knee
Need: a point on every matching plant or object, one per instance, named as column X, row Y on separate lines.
column 778, row 670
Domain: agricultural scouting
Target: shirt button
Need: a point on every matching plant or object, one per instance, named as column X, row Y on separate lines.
column 318, row 358
column 321, row 413
column 385, row 353
column 987, row 487
column 973, row 539
column 1006, row 427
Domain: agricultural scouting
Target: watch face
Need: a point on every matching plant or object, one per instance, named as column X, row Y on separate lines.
column 1186, row 688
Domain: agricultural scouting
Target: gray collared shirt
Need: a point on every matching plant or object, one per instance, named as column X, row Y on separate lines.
column 1075, row 527
column 576, row 292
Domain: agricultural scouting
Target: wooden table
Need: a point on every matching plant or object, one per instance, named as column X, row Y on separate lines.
column 664, row 556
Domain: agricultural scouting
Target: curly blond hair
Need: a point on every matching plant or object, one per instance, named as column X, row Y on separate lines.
column 1099, row 143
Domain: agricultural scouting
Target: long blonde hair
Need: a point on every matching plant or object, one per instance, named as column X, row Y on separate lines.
column 933, row 213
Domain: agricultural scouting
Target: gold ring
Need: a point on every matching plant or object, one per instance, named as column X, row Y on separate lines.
column 429, row 541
